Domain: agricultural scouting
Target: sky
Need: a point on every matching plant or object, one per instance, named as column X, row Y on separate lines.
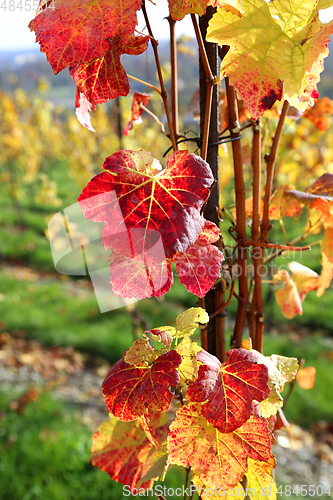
column 15, row 34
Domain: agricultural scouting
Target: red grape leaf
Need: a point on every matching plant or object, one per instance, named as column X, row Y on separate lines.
column 82, row 110
column 217, row 459
column 168, row 203
column 318, row 113
column 200, row 266
column 78, row 31
column 135, row 277
column 276, row 50
column 117, row 447
column 230, row 388
column 104, row 78
column 139, row 99
column 130, row 391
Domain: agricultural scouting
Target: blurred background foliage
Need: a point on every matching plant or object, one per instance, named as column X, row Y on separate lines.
column 46, row 158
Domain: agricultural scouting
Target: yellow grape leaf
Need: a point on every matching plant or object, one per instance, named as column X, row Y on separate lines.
column 218, row 459
column 141, row 351
column 327, row 244
column 304, row 278
column 270, row 406
column 234, row 6
column 295, row 289
column 260, row 484
column 190, row 320
column 326, row 275
column 188, row 368
column 276, row 50
column 287, row 297
column 306, row 377
column 154, row 461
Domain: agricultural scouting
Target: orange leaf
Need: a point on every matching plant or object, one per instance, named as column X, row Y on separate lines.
column 287, row 297
column 306, row 377
column 326, row 275
column 117, row 447
column 282, row 205
column 317, row 114
column 217, row 459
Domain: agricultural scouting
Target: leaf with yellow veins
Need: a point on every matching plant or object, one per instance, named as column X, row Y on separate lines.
column 190, row 320
column 234, row 6
column 276, row 50
column 188, row 369
column 260, row 484
column 217, row 459
column 141, row 351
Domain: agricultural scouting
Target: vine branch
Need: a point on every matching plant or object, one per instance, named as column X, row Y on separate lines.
column 164, row 94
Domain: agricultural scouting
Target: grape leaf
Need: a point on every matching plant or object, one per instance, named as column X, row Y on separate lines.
column 230, row 388
column 287, row 297
column 326, row 275
column 282, row 205
column 140, row 352
column 260, row 483
column 271, row 405
column 79, row 31
column 179, row 8
column 306, row 377
column 130, row 391
column 168, row 203
column 161, row 336
column 276, row 50
column 188, row 369
column 115, row 450
column 140, row 277
column 200, row 266
column 318, row 113
column 104, row 78
column 295, row 289
column 139, row 99
column 82, row 110
column 219, row 460
column 191, row 319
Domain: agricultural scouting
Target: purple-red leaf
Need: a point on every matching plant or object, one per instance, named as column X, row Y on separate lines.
column 78, row 31
column 230, row 388
column 130, row 391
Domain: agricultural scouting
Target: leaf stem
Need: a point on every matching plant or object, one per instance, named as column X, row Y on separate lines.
column 210, row 85
column 164, row 94
column 174, row 79
column 153, row 116
column 144, row 83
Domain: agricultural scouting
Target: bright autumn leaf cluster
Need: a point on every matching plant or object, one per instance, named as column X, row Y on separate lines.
column 152, row 219
column 276, row 51
column 179, row 405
